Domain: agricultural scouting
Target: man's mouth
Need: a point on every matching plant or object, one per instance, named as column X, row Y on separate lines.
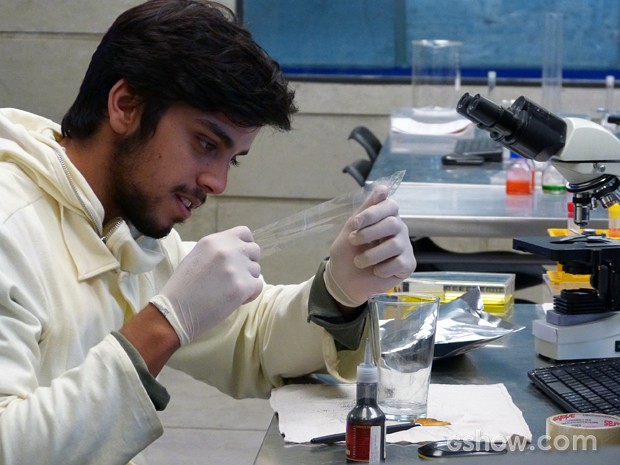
column 187, row 203
column 191, row 202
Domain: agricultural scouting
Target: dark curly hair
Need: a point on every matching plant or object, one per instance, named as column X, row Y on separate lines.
column 182, row 51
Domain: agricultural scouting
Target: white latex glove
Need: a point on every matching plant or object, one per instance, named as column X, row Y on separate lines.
column 219, row 274
column 372, row 253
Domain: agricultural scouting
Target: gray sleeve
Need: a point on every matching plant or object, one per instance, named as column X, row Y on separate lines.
column 156, row 391
column 323, row 311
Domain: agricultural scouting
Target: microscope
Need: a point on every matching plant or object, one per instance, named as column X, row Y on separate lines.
column 584, row 323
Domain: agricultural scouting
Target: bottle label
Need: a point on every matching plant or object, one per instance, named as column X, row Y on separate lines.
column 364, row 443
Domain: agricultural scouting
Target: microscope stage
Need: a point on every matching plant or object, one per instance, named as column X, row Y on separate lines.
column 562, row 248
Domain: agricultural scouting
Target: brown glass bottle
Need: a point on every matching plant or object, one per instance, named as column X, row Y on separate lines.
column 365, row 434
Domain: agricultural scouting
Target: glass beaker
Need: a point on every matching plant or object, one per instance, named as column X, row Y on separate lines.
column 435, row 73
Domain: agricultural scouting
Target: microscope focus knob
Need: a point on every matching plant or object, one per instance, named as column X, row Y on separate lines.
column 599, row 167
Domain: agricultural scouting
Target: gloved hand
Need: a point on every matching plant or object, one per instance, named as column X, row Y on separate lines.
column 372, row 253
column 215, row 278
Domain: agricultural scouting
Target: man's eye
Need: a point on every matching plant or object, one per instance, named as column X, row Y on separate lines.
column 235, row 162
column 207, row 144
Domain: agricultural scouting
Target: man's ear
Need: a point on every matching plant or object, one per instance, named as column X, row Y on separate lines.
column 123, row 109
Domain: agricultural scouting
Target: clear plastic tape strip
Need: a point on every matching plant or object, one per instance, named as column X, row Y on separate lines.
column 318, row 219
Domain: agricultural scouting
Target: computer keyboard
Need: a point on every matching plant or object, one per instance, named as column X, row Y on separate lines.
column 484, row 147
column 590, row 386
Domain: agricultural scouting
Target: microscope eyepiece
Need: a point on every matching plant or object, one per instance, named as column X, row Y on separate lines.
column 524, row 127
column 463, row 103
column 485, row 111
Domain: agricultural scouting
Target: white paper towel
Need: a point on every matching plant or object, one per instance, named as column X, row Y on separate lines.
column 475, row 412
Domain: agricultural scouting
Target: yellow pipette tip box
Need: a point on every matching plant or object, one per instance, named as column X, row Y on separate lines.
column 497, row 289
column 561, row 232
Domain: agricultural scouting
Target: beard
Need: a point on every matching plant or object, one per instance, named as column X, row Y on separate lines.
column 137, row 206
column 140, row 210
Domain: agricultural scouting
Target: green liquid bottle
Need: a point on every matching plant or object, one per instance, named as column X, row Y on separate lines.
column 552, row 181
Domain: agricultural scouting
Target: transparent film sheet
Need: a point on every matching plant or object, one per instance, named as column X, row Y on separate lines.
column 318, row 219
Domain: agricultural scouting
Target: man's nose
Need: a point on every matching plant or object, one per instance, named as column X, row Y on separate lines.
column 214, row 179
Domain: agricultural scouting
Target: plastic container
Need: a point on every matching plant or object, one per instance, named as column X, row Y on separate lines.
column 557, row 280
column 496, row 289
column 519, row 176
column 560, row 232
column 613, row 230
column 552, row 181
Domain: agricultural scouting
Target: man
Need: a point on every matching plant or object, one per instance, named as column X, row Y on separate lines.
column 96, row 291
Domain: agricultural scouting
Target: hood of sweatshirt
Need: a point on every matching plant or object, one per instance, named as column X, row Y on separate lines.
column 32, row 143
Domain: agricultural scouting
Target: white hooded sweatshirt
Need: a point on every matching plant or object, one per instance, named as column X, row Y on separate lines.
column 69, row 393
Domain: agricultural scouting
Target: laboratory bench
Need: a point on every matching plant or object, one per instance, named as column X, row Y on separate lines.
column 437, row 200
column 506, row 361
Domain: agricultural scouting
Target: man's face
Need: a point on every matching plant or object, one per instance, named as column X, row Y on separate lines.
column 159, row 182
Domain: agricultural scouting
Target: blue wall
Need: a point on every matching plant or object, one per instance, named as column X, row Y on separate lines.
column 502, row 35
